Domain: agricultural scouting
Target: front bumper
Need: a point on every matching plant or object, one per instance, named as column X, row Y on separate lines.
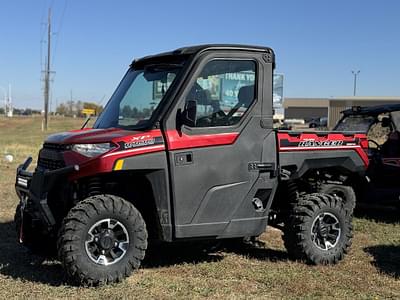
column 32, row 189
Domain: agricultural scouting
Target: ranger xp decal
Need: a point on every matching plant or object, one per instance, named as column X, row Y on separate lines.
column 141, row 141
column 136, row 145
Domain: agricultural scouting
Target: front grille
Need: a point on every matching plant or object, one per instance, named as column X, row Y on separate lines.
column 50, row 164
column 56, row 147
column 51, row 156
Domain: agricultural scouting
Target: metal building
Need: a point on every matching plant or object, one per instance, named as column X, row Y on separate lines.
column 338, row 104
column 308, row 108
column 305, row 108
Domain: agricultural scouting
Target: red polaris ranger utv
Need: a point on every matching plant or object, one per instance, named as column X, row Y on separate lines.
column 185, row 149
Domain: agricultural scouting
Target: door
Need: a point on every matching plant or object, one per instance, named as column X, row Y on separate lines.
column 221, row 183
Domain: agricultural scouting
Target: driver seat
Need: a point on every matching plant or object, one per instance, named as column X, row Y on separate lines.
column 246, row 96
column 245, row 99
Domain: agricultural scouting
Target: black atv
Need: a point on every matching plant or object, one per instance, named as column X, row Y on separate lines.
column 382, row 126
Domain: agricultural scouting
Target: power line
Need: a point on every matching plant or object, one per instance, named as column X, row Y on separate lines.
column 61, row 22
column 42, row 33
column 42, row 20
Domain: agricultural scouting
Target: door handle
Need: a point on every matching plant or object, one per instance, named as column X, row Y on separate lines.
column 264, row 168
column 183, row 158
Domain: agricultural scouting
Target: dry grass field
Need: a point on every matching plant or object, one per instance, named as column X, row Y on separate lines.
column 370, row 271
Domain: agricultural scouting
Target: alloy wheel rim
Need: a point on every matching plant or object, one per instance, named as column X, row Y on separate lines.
column 325, row 231
column 107, row 242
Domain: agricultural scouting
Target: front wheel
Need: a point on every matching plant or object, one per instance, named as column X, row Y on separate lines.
column 318, row 229
column 102, row 240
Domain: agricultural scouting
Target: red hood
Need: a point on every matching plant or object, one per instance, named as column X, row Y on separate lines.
column 89, row 136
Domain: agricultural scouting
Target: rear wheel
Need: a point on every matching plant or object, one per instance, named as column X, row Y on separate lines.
column 103, row 239
column 318, row 229
column 346, row 193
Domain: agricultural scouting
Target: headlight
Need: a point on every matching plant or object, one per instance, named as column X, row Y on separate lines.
column 92, row 150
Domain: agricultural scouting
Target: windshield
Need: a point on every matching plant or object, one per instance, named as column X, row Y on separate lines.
column 355, row 123
column 137, row 97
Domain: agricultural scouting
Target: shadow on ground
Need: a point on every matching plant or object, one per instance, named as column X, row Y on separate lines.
column 164, row 255
column 20, row 264
column 376, row 213
column 259, row 253
column 386, row 258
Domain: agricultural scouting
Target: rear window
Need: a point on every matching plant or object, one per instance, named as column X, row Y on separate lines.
column 355, row 123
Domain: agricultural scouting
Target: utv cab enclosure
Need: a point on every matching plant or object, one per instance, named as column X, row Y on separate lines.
column 185, row 149
column 381, row 124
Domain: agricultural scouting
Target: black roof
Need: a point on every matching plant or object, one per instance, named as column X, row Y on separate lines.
column 371, row 110
column 200, row 48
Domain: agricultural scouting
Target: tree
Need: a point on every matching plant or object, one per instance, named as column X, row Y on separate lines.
column 62, row 109
column 127, row 111
column 72, row 108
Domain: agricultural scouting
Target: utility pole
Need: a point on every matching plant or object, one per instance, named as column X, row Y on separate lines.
column 8, row 109
column 5, row 100
column 355, row 73
column 47, row 73
column 71, row 104
column 9, row 103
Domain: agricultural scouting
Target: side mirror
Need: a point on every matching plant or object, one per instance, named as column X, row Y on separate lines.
column 188, row 116
column 386, row 122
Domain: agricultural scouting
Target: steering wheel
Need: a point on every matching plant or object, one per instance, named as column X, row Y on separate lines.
column 378, row 147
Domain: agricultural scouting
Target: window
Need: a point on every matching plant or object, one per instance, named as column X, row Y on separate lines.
column 223, row 92
column 143, row 96
column 137, row 97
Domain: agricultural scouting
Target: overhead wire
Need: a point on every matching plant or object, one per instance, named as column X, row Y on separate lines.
column 55, row 47
column 60, row 24
column 42, row 34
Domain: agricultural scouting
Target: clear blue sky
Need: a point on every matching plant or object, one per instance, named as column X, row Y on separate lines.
column 317, row 43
